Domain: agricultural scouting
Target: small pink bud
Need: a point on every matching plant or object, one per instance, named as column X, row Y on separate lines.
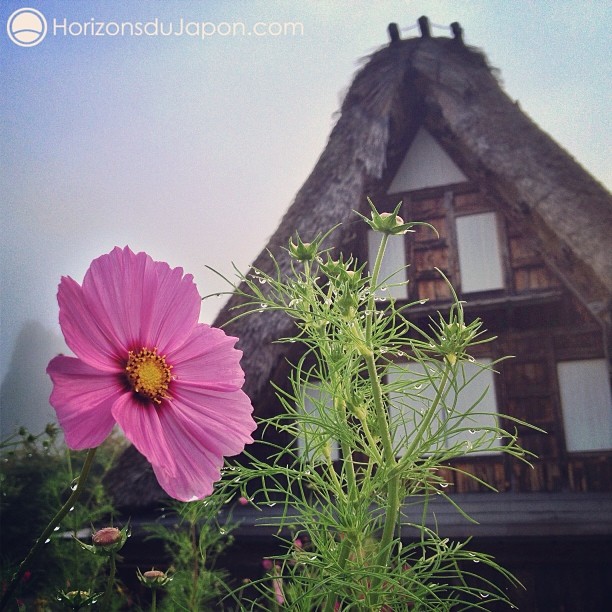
column 267, row 564
column 108, row 540
column 243, row 501
column 108, row 536
column 154, row 574
column 398, row 219
column 153, row 578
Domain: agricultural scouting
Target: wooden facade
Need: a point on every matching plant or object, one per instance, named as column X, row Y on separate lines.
column 536, row 320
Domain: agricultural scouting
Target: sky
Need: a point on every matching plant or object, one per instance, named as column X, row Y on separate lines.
column 191, row 146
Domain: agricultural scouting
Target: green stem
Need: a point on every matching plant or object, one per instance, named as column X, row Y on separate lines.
column 377, row 457
column 379, row 407
column 393, row 500
column 342, row 557
column 431, row 412
column 393, row 485
column 352, row 492
column 196, row 564
column 55, row 521
column 154, row 600
column 347, row 457
column 332, row 474
column 105, row 605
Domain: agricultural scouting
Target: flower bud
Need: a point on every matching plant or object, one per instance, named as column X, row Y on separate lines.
column 452, row 338
column 108, row 536
column 342, row 273
column 360, row 411
column 109, row 539
column 303, row 251
column 327, row 451
column 267, row 564
column 154, row 579
column 347, row 305
column 390, row 222
column 51, row 430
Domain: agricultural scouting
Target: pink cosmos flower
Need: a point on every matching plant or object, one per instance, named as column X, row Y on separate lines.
column 143, row 361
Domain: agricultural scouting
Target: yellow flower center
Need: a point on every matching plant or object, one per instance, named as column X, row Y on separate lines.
column 149, row 374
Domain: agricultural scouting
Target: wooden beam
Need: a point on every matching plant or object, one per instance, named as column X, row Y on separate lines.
column 499, row 515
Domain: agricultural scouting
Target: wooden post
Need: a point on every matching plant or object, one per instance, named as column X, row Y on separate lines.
column 394, row 33
column 424, row 27
column 457, row 32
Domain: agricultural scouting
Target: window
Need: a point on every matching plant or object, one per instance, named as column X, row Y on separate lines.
column 468, row 409
column 311, row 439
column 479, row 253
column 586, row 405
column 393, row 268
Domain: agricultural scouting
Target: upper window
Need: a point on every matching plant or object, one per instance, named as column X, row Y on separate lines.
column 392, row 277
column 479, row 253
column 465, row 414
column 585, row 401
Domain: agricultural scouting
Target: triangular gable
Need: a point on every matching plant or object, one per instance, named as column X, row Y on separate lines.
column 426, row 164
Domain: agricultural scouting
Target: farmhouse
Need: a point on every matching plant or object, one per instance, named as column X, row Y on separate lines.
column 524, row 235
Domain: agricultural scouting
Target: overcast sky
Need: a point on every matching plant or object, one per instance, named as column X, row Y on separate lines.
column 192, row 147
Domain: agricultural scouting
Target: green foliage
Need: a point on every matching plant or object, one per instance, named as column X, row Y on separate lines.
column 373, row 418
column 194, row 539
column 350, row 508
column 36, row 473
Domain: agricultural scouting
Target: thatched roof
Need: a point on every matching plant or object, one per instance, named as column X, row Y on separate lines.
column 451, row 89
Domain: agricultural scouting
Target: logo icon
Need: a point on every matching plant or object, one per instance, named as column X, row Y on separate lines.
column 26, row 27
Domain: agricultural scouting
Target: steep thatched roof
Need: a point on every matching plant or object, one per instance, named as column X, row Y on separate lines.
column 450, row 88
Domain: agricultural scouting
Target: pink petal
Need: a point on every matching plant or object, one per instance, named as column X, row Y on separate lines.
column 142, row 426
column 82, row 397
column 113, row 288
column 197, row 467
column 199, row 443
column 146, row 302
column 208, row 360
column 227, row 416
column 186, row 440
column 200, row 438
column 94, row 343
column 176, row 309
